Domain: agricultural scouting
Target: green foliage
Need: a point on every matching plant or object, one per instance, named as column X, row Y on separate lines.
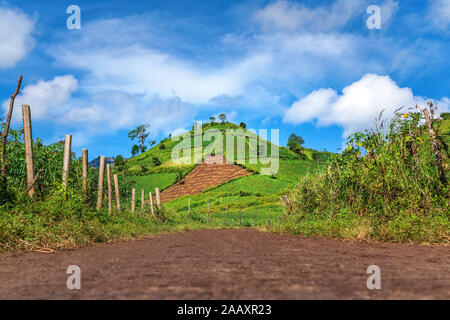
column 119, row 160
column 156, row 161
column 445, row 115
column 141, row 133
column 243, row 125
column 383, row 186
column 295, row 144
column 134, row 150
column 162, row 146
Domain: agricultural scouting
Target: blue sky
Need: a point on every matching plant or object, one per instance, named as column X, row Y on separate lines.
column 309, row 67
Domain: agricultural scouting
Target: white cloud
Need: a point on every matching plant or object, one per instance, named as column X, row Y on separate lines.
column 137, row 68
column 46, row 98
column 15, row 36
column 358, row 106
column 439, row 14
column 104, row 112
column 289, row 16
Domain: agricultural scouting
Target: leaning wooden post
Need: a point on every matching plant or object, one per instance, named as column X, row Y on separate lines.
column 151, row 203
column 101, row 174
column 142, row 199
column 28, row 138
column 66, row 161
column 108, row 178
column 158, row 198
column 116, row 189
column 133, row 199
column 85, row 172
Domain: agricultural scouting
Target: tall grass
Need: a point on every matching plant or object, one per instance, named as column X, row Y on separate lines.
column 384, row 186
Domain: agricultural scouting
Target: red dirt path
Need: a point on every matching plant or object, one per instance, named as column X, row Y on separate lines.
column 230, row 264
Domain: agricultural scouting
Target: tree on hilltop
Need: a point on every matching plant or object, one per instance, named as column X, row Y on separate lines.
column 295, row 143
column 141, row 133
column 223, row 117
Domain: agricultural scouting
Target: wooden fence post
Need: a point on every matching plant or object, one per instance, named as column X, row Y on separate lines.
column 101, row 174
column 158, row 198
column 151, row 203
column 116, row 188
column 28, row 139
column 66, row 161
column 142, row 199
column 133, row 199
column 108, row 177
column 85, row 172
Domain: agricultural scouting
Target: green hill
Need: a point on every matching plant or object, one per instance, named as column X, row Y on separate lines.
column 154, row 168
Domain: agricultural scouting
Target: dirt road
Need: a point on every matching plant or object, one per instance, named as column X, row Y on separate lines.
column 230, row 264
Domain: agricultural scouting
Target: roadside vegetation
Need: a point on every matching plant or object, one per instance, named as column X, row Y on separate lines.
column 390, row 184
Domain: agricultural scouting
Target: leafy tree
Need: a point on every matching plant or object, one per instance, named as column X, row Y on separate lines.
column 295, row 143
column 162, row 146
column 135, row 150
column 223, row 117
column 119, row 161
column 212, row 119
column 243, row 125
column 152, row 143
column 141, row 133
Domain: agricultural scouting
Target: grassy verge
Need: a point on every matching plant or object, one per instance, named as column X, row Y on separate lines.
column 402, row 228
column 35, row 227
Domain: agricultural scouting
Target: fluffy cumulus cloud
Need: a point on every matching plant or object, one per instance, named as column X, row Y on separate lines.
column 358, row 106
column 46, row 98
column 16, row 39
